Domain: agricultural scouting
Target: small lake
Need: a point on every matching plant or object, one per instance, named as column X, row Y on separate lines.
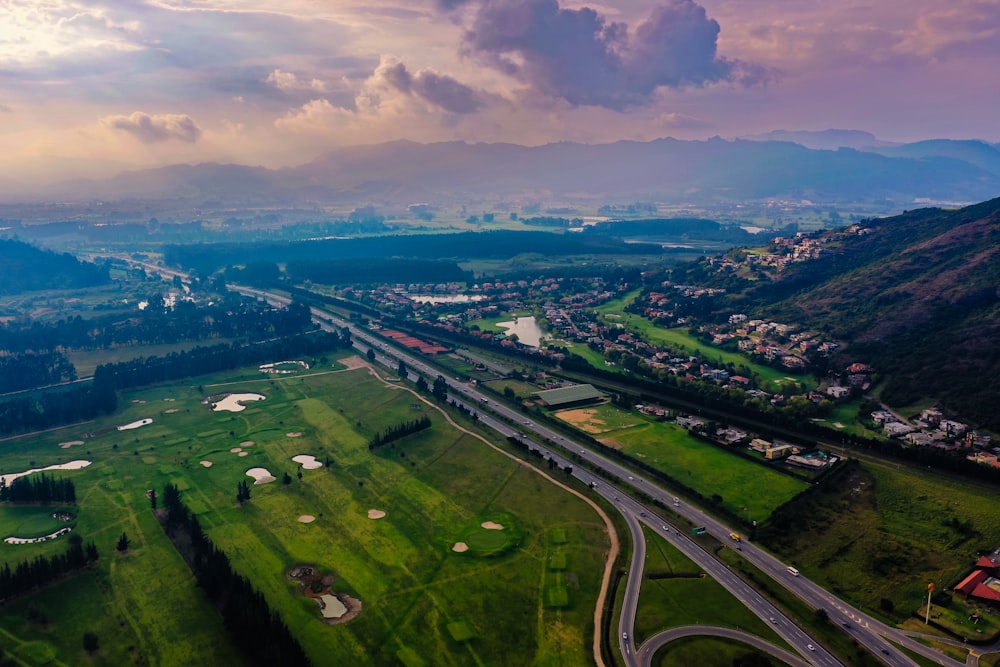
column 527, row 330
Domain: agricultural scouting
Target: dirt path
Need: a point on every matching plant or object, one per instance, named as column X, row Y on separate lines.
column 609, row 526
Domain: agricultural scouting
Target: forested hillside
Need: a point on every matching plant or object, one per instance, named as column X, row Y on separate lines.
column 918, row 296
column 24, row 267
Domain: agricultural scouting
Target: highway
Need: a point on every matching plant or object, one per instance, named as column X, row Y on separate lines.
column 866, row 630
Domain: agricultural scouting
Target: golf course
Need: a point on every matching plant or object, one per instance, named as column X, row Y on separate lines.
column 436, row 549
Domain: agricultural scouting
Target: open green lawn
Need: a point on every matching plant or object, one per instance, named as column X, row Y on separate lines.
column 706, row 468
column 675, row 593
column 437, row 487
column 706, row 652
column 887, row 530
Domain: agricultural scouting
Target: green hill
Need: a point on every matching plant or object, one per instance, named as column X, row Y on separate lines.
column 917, row 296
column 25, row 268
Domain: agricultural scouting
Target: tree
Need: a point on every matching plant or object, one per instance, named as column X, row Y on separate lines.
column 401, row 371
column 242, row 492
column 90, row 643
column 370, row 354
column 123, row 543
column 440, row 389
column 286, row 479
column 152, row 498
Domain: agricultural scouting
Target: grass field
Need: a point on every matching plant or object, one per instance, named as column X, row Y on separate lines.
column 676, row 593
column 437, row 487
column 744, row 485
column 706, row 652
column 887, row 531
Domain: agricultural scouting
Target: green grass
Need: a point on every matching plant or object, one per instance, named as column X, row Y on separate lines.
column 86, row 361
column 705, row 652
column 601, row 418
column 520, row 389
column 675, row 593
column 888, row 530
column 436, row 487
column 706, row 468
column 32, row 520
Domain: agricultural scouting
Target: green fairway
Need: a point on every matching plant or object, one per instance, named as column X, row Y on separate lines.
column 745, row 486
column 33, row 520
column 422, row 602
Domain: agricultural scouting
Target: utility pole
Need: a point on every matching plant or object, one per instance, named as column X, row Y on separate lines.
column 927, row 616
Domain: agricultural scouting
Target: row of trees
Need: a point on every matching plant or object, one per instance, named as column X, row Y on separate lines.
column 79, row 403
column 38, row 489
column 254, row 627
column 234, row 316
column 399, row 431
column 31, row 574
column 214, row 358
column 28, row 370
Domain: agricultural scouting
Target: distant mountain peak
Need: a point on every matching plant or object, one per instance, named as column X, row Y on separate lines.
column 829, row 139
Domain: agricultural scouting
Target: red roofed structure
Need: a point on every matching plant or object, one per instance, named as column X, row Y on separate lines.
column 985, row 593
column 986, row 563
column 969, row 584
column 981, row 583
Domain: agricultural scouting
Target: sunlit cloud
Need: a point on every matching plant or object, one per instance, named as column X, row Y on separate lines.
column 156, row 128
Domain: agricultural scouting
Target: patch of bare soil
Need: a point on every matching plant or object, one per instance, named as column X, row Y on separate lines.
column 353, row 362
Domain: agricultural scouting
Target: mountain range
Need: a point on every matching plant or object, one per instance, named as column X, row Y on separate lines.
column 860, row 169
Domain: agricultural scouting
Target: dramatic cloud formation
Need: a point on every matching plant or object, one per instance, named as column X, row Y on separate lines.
column 156, row 128
column 437, row 89
column 576, row 55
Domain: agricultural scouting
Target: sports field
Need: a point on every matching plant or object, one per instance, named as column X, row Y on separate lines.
column 520, row 594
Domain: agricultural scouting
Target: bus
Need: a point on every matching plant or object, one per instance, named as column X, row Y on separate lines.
column 792, row 571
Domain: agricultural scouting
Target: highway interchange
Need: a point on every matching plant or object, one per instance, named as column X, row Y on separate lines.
column 508, row 422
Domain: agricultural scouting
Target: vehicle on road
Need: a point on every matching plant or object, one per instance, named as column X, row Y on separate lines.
column 735, row 536
column 625, row 636
column 677, row 503
column 792, row 571
column 810, row 647
column 774, row 621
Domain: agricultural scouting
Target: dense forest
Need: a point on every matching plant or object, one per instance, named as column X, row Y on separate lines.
column 25, row 371
column 206, row 258
column 24, row 268
column 255, row 628
column 688, row 229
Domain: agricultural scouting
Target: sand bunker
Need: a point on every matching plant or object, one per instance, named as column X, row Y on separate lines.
column 375, row 514
column 273, row 368
column 234, row 402
column 72, row 465
column 307, row 518
column 207, row 464
column 460, row 547
column 490, row 525
column 294, row 434
column 136, row 424
column 260, row 475
column 71, row 443
column 307, row 462
column 170, row 411
column 243, row 454
column 169, row 400
column 33, row 540
column 247, row 443
column 235, row 450
column 331, row 606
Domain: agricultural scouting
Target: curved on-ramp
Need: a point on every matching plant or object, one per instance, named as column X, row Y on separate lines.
column 661, row 639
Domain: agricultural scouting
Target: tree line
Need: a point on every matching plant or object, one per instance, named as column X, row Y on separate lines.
column 24, row 267
column 40, row 571
column 77, row 403
column 233, row 317
column 254, row 627
column 38, row 489
column 399, row 431
column 29, row 370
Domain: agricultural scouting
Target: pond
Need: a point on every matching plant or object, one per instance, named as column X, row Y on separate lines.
column 527, row 330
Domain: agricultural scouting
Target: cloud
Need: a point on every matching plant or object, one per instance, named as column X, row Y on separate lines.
column 5, row 109
column 679, row 121
column 156, row 128
column 580, row 57
column 289, row 81
column 439, row 90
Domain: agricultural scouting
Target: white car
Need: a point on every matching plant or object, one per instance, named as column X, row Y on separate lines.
column 810, row 647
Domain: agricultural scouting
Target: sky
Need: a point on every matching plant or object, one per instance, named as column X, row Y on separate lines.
column 91, row 88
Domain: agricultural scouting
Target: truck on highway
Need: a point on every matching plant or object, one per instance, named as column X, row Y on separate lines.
column 735, row 536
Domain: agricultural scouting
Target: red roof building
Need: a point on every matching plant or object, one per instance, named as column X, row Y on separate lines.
column 968, row 585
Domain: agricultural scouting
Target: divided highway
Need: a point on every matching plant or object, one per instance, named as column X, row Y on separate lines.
column 864, row 629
